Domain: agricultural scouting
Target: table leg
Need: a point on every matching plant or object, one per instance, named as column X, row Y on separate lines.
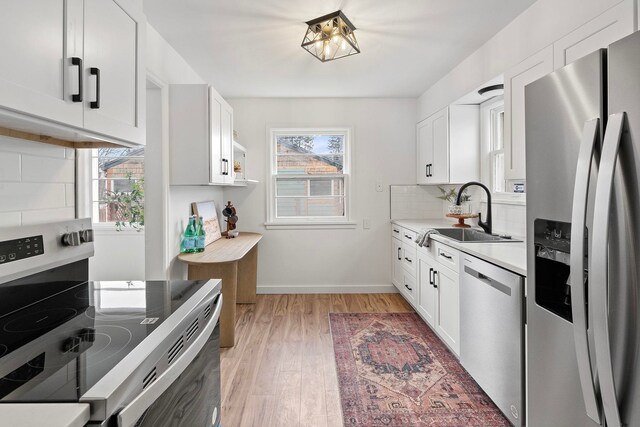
column 228, row 272
column 248, row 277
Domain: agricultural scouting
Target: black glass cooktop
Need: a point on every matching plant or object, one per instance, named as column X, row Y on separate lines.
column 55, row 349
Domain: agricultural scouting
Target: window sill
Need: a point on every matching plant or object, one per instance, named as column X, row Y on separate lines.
column 310, row 225
column 110, row 229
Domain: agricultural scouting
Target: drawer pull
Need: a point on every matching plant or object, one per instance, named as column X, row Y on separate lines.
column 407, row 259
column 396, row 231
column 431, row 276
column 434, row 279
column 408, row 237
column 442, row 254
column 407, row 286
column 399, row 257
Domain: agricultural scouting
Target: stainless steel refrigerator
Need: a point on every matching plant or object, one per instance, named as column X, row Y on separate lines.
column 583, row 241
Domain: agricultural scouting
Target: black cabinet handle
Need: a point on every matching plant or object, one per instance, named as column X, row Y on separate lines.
column 431, row 276
column 77, row 97
column 407, row 236
column 407, row 286
column 434, row 279
column 442, row 254
column 426, row 171
column 399, row 257
column 396, row 231
column 407, row 259
column 96, row 72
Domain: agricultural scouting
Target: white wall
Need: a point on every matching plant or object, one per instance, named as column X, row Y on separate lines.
column 36, row 182
column 168, row 206
column 328, row 260
column 537, row 27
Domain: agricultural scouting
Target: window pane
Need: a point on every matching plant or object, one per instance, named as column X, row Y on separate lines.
column 301, row 207
column 314, row 144
column 498, row 173
column 107, row 187
column 497, row 131
column 291, row 187
column 309, row 164
column 120, row 167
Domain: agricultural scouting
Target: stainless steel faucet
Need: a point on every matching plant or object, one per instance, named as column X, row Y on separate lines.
column 486, row 226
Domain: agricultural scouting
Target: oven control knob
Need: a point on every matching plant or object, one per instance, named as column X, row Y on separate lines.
column 86, row 236
column 88, row 335
column 72, row 345
column 71, row 239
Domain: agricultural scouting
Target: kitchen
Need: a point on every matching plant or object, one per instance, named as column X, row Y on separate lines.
column 347, row 172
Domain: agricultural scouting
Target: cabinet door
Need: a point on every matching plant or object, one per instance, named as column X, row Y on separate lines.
column 600, row 32
column 396, row 264
column 113, row 45
column 227, row 142
column 440, row 130
column 448, row 324
column 37, row 41
column 427, row 292
column 515, row 80
column 425, row 150
column 215, row 152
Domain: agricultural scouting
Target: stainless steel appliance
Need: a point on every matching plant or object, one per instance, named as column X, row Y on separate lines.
column 139, row 353
column 492, row 333
column 583, row 237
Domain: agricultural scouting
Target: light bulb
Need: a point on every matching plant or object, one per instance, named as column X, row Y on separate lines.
column 327, row 50
column 344, row 44
column 335, row 39
column 318, row 45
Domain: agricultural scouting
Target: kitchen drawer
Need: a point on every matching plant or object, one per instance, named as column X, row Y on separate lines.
column 409, row 236
column 410, row 290
column 397, row 231
column 409, row 258
column 448, row 256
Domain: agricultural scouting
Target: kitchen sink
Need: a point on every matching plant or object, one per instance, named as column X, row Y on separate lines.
column 470, row 235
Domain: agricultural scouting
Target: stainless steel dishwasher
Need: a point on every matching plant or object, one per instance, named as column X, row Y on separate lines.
column 492, row 333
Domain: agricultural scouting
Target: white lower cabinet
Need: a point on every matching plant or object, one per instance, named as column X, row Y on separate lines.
column 428, row 293
column 396, row 266
column 448, row 319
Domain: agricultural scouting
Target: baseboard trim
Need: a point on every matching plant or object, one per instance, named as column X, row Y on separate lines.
column 329, row 289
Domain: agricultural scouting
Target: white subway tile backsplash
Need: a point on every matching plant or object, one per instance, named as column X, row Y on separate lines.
column 9, row 167
column 22, row 146
column 28, row 196
column 70, row 194
column 37, row 182
column 46, row 169
column 48, row 215
column 10, row 219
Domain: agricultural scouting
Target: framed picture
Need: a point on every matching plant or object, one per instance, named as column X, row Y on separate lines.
column 207, row 210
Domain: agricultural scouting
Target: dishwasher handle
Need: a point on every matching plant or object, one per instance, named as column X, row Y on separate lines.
column 505, row 289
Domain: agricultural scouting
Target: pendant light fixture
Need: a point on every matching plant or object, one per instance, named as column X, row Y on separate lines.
column 331, row 37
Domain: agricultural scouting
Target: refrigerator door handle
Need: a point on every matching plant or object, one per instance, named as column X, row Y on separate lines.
column 578, row 300
column 599, row 268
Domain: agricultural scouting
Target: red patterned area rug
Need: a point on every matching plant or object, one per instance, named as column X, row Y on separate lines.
column 393, row 371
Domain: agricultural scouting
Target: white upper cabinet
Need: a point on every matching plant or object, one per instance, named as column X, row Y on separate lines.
column 598, row 33
column 38, row 41
column 448, row 146
column 115, row 85
column 201, row 136
column 74, row 68
column 515, row 80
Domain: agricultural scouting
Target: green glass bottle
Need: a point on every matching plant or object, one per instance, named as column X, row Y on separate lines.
column 188, row 244
column 200, row 236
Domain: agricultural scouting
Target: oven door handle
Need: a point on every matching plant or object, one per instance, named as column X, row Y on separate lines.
column 130, row 414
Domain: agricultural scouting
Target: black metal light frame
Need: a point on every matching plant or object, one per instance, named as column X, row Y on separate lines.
column 330, row 37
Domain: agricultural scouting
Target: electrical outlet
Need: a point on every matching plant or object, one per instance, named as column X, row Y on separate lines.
column 379, row 188
column 366, row 223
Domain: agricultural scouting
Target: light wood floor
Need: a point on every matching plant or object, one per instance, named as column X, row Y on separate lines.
column 282, row 371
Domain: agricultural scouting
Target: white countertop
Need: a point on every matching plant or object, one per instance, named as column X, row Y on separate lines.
column 45, row 414
column 509, row 255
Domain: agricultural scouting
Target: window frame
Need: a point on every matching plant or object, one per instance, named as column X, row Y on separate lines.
column 274, row 222
column 487, row 118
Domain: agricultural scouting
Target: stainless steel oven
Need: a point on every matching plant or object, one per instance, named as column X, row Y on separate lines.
column 139, row 353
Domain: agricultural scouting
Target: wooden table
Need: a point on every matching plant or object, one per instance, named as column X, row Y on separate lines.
column 235, row 261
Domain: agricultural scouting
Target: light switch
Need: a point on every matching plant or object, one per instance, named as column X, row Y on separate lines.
column 366, row 223
column 379, row 188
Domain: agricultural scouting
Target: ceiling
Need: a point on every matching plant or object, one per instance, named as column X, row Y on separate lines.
column 251, row 48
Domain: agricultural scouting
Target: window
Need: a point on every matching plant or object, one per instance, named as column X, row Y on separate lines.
column 496, row 149
column 118, row 186
column 309, row 176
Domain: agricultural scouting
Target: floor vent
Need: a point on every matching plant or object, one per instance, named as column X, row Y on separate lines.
column 192, row 329
column 151, row 377
column 207, row 311
column 175, row 350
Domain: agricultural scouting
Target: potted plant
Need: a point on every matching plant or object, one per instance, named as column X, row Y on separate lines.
column 450, row 195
